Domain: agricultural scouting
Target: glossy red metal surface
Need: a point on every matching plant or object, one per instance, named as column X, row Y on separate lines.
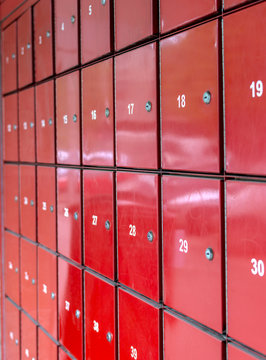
column 230, row 3
column 45, row 123
column 190, row 127
column 28, row 338
column 47, row 291
column 97, row 114
column 235, row 353
column 25, row 68
column 69, row 213
column 138, row 328
column 10, row 127
column 12, row 268
column 134, row 21
column 28, row 279
column 191, row 225
column 244, row 61
column 98, row 197
column 11, row 197
column 47, row 349
column 246, row 262
column 70, row 308
column 46, row 206
column 177, row 13
column 66, row 34
column 26, row 125
column 43, row 39
column 9, row 58
column 63, row 355
column 68, row 119
column 138, row 232
column 28, row 202
column 100, row 318
column 95, row 29
column 184, row 341
column 136, row 108
column 12, row 332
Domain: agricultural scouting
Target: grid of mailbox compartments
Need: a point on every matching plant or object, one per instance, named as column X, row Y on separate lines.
column 127, row 235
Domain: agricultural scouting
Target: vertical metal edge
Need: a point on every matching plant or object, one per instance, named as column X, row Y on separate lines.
column 84, row 313
column 117, row 323
column 223, row 94
column 226, row 262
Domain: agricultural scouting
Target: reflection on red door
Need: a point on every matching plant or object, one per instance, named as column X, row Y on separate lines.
column 25, row 68
column 12, row 331
column 10, row 127
column 47, row 349
column 12, row 266
column 11, row 197
column 9, row 58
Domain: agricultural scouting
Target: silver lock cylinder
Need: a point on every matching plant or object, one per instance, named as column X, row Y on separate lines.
column 107, row 112
column 107, row 225
column 148, row 106
column 207, row 97
column 48, row 34
column 77, row 314
column 109, row 336
column 103, row 2
column 51, row 208
column 50, row 122
column 15, row 127
column 75, row 118
column 209, row 254
column 33, row 281
column 150, row 236
column 76, row 216
column 31, row 125
column 16, row 342
column 73, row 19
column 16, row 198
column 31, row 203
column 52, row 295
column 16, row 270
column 13, row 56
column 28, row 46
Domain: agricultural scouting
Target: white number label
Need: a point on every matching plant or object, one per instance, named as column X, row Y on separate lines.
column 258, row 267
column 256, row 88
column 25, row 126
column 67, row 305
column 66, row 212
column 132, row 230
column 9, row 128
column 96, row 326
column 26, row 275
column 44, row 288
column 90, row 9
column 134, row 353
column 43, row 123
column 183, row 246
column 93, row 115
column 27, row 352
column 130, row 109
column 11, row 335
column 44, row 206
column 22, row 50
column 63, row 26
column 7, row 60
column 94, row 220
column 40, row 40
column 65, row 119
column 181, row 101
column 10, row 265
column 26, row 201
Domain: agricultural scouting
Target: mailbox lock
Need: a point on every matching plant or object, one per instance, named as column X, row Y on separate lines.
column 48, row 34
column 75, row 118
column 77, row 314
column 103, row 2
column 50, row 122
column 16, row 270
column 13, row 56
column 51, row 208
column 109, row 336
column 148, row 106
column 207, row 97
column 73, row 19
column 31, row 125
column 33, row 281
column 15, row 127
column 16, row 341
column 76, row 216
column 31, row 203
column 28, row 46
column 52, row 295
column 150, row 236
column 16, row 198
column 107, row 225
column 107, row 112
column 209, row 254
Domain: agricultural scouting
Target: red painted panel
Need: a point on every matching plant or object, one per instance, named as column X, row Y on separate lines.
column 12, row 332
column 190, row 125
column 244, row 62
column 235, row 353
column 28, row 338
column 136, row 108
column 97, row 113
column 10, row 119
column 138, row 232
column 47, row 349
column 11, row 197
column 231, row 3
column 9, row 58
column 25, row 63
column 12, row 267
column 63, row 355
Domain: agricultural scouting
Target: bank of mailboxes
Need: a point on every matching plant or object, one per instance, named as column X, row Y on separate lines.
column 121, row 185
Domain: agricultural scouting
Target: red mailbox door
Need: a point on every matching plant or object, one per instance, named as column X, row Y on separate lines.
column 231, row 3
column 98, row 190
column 66, row 34
column 46, row 206
column 10, row 119
column 47, row 349
column 97, row 114
column 138, row 328
column 70, row 308
column 184, row 341
column 100, row 318
column 136, row 108
column 69, row 213
column 63, row 355
column 11, row 197
column 235, row 353
column 190, row 101
column 45, row 123
column 26, row 125
column 47, row 291
column 27, row 202
column 12, row 266
column 177, row 13
column 138, row 232
column 43, row 39
column 68, row 121
column 246, row 262
column 95, row 29
column 29, row 278
column 12, row 332
column 192, row 248
column 28, row 338
column 25, row 73
column 245, row 105
column 134, row 21
column 9, row 58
